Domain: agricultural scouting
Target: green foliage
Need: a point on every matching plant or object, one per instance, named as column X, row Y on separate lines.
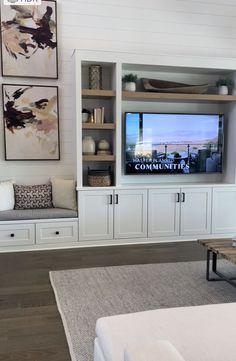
column 129, row 78
column 224, row 81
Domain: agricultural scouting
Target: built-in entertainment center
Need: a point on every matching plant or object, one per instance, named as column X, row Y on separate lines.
column 162, row 188
column 166, row 160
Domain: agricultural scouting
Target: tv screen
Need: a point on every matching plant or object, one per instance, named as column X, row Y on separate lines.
column 158, row 143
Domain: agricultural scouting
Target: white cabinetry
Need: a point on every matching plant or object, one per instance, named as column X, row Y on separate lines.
column 105, row 214
column 50, row 232
column 195, row 211
column 224, row 210
column 179, row 211
column 163, row 212
column 16, row 235
column 130, row 214
column 95, row 215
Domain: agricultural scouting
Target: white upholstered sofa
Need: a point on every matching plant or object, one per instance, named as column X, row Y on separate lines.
column 199, row 333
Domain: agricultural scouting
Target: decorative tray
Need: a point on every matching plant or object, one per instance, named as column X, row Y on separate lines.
column 162, row 86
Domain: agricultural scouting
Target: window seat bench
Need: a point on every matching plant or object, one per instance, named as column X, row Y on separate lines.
column 28, row 214
column 35, row 228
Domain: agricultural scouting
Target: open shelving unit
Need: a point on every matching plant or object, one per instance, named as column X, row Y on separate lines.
column 116, row 102
column 90, row 99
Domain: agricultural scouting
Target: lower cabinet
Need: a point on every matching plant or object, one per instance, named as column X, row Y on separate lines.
column 179, row 211
column 163, row 212
column 107, row 214
column 195, row 208
column 58, row 232
column 224, row 210
column 17, row 235
column 23, row 234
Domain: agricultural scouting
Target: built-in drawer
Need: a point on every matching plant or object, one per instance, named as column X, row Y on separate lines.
column 59, row 232
column 16, row 235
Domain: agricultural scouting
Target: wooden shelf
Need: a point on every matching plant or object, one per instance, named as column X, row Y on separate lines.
column 98, row 126
column 97, row 93
column 148, row 96
column 98, row 158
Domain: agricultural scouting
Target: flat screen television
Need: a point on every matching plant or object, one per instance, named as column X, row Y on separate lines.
column 157, row 143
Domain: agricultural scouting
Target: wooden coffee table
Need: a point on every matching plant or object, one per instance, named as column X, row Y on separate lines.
column 215, row 248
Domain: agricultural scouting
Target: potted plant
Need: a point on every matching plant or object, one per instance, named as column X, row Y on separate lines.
column 223, row 85
column 129, row 81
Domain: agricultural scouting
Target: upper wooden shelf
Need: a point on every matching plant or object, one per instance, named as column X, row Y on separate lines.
column 98, row 126
column 97, row 93
column 149, row 96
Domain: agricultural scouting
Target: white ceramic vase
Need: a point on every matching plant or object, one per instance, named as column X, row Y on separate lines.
column 223, row 90
column 130, row 87
column 85, row 117
column 88, row 145
column 103, row 144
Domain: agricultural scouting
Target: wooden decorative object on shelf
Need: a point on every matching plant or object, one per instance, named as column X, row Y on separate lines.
column 156, row 85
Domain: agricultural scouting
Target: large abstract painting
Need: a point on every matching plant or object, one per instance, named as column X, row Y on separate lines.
column 29, row 40
column 31, row 123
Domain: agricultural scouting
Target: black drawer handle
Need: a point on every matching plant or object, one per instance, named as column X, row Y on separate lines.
column 57, row 233
column 12, row 235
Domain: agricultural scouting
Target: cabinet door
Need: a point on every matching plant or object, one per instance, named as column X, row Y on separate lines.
column 195, row 211
column 224, row 210
column 130, row 213
column 95, row 215
column 163, row 212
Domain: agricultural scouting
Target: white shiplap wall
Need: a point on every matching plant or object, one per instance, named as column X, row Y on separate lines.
column 195, row 28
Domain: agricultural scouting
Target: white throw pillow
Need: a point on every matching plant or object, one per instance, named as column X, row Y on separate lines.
column 7, row 199
column 64, row 193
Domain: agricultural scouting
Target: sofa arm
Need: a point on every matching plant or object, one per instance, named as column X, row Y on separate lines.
column 161, row 350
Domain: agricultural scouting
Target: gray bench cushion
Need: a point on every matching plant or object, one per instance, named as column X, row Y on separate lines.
column 48, row 213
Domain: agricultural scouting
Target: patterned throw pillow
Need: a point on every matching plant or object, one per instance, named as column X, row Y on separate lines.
column 32, row 197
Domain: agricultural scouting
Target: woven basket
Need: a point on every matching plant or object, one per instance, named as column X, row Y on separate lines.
column 99, row 178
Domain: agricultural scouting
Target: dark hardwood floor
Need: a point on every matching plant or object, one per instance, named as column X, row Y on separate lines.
column 30, row 325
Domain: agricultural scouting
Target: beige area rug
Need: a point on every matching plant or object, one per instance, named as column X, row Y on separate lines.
column 84, row 295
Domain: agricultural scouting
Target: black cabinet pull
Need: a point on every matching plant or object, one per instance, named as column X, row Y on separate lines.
column 183, row 197
column 12, row 235
column 178, row 197
column 117, row 199
column 111, row 199
column 57, row 232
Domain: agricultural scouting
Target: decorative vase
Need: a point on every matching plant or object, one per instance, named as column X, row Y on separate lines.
column 85, row 117
column 223, row 90
column 95, row 77
column 103, row 144
column 130, row 87
column 88, row 145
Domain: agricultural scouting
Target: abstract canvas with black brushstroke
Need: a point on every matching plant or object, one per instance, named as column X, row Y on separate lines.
column 31, row 123
column 29, row 40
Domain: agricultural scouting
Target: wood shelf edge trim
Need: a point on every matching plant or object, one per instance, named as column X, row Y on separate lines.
column 98, row 93
column 178, row 96
column 98, row 126
column 98, row 158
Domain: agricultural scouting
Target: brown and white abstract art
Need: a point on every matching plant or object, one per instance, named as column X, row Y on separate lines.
column 31, row 122
column 29, row 40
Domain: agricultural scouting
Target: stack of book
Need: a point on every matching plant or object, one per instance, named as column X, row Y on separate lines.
column 98, row 115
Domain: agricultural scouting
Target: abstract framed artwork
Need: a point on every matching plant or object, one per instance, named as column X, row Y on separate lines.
column 31, row 122
column 29, row 40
